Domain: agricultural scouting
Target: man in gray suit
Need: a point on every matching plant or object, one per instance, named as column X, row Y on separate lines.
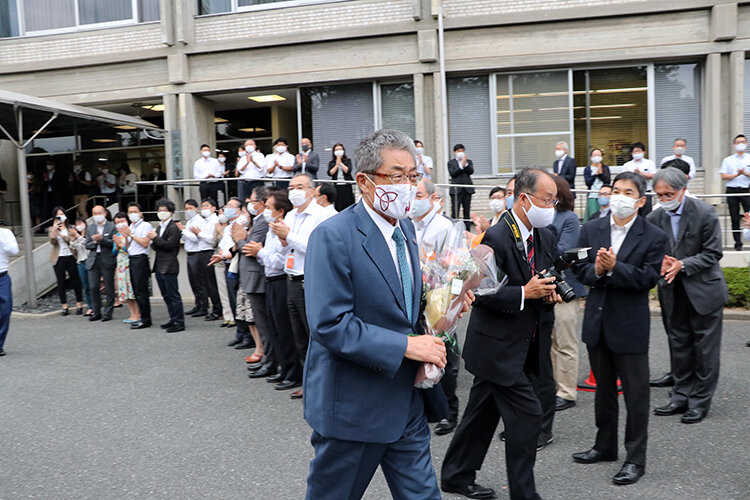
column 693, row 294
column 307, row 160
column 101, row 262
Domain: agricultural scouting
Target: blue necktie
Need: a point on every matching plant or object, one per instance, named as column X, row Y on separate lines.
column 403, row 266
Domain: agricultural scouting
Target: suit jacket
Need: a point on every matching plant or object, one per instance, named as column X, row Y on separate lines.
column 500, row 336
column 108, row 256
column 167, row 246
column 347, row 175
column 252, row 274
column 598, row 214
column 617, row 310
column 460, row 176
column 568, row 170
column 55, row 254
column 698, row 246
column 358, row 385
column 312, row 165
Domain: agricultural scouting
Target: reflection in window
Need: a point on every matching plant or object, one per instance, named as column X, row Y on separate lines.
column 468, row 120
column 214, row 6
column 397, row 107
column 677, row 99
column 148, row 10
column 8, row 18
column 102, row 11
column 49, row 14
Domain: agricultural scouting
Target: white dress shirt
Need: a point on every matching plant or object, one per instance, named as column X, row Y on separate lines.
column 203, row 167
column 525, row 233
column 107, row 178
column 687, row 159
column 425, row 164
column 8, row 247
column 128, row 183
column 387, row 230
column 301, row 225
column 139, row 229
column 645, row 165
column 255, row 169
column 271, row 255
column 559, row 164
column 746, row 233
column 208, row 236
column 226, row 243
column 163, row 226
column 432, row 231
column 731, row 164
column 286, row 159
column 63, row 247
column 100, row 230
column 192, row 242
column 618, row 233
column 330, row 211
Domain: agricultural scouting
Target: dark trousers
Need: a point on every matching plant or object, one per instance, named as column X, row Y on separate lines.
column 632, row 369
column 734, row 203
column 209, row 190
column 281, row 330
column 83, row 275
column 139, row 276
column 545, row 386
column 6, row 307
column 295, row 297
column 343, row 469
column 203, row 281
column 170, row 291
column 67, row 266
column 282, row 184
column 459, row 200
column 245, row 188
column 450, row 381
column 521, row 412
column 242, row 332
column 233, row 283
column 106, row 272
column 695, row 344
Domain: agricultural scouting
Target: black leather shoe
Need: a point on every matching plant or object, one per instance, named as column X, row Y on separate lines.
column 245, row 345
column 473, row 490
column 254, row 367
column 233, row 343
column 501, row 436
column 2, row 353
column 212, row 317
column 275, row 379
column 106, row 318
column 563, row 404
column 694, row 415
column 165, row 325
column 191, row 311
column 262, row 373
column 287, row 384
column 198, row 314
column 95, row 317
column 176, row 328
column 670, row 409
column 543, row 440
column 666, row 381
column 445, row 426
column 139, row 325
column 629, row 474
column 592, row 456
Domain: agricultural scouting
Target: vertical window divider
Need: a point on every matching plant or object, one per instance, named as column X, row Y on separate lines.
column 571, row 117
column 493, row 123
column 651, row 104
column 377, row 109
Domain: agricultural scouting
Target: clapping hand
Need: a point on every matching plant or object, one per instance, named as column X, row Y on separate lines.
column 196, row 230
column 180, row 226
column 670, row 267
column 125, row 230
column 238, row 232
column 151, row 234
column 96, row 237
column 746, row 220
column 251, row 249
column 280, row 229
column 605, row 261
column 215, row 259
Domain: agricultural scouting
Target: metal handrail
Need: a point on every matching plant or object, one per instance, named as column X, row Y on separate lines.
column 74, row 207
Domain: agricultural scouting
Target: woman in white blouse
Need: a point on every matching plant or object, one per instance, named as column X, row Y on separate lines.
column 61, row 235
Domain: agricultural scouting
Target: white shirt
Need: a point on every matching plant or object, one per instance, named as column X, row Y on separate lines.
column 110, row 178
column 559, row 164
column 163, row 226
column 286, row 159
column 100, row 230
column 425, row 164
column 139, row 229
column 687, row 159
column 746, row 233
column 731, row 164
column 496, row 218
column 330, row 211
column 208, row 235
column 432, row 231
column 128, row 184
column 618, row 233
column 227, row 243
column 252, row 170
column 525, row 233
column 8, row 247
column 192, row 243
column 64, row 249
column 387, row 229
column 271, row 256
column 203, row 167
column 301, row 225
column 645, row 165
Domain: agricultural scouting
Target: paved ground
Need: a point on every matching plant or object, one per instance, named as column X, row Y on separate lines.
column 97, row 411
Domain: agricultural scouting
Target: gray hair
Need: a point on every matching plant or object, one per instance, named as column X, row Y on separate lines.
column 428, row 186
column 526, row 180
column 368, row 153
column 680, row 139
column 310, row 181
column 674, row 177
column 563, row 143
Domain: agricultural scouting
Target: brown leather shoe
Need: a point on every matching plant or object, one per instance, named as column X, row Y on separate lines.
column 296, row 394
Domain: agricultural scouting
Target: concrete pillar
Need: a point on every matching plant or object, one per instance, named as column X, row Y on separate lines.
column 714, row 148
column 441, row 169
column 736, row 92
column 9, row 212
column 196, row 126
column 419, row 109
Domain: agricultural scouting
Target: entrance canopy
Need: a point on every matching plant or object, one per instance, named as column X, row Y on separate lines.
column 24, row 117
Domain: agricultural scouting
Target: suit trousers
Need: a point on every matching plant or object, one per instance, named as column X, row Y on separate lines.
column 342, row 470
column 544, row 383
column 6, row 307
column 564, row 351
column 281, row 329
column 233, row 283
column 461, row 200
column 209, row 190
column 521, row 412
column 220, row 276
column 67, row 266
column 170, row 291
column 203, row 281
column 734, row 203
column 139, row 279
column 106, row 272
column 695, row 344
column 632, row 369
column 245, row 188
column 295, row 296
column 449, row 381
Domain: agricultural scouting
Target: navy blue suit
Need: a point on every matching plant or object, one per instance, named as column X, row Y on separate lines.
column 359, row 390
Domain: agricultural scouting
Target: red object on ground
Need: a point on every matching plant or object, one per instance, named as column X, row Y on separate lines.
column 589, row 385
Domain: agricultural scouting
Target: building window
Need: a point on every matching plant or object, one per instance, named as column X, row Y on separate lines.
column 677, row 101
column 397, row 107
column 206, row 7
column 469, row 120
column 8, row 19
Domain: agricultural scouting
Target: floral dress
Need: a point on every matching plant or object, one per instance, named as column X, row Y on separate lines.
column 122, row 274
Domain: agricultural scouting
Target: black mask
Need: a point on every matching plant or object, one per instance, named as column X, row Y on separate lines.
column 305, row 148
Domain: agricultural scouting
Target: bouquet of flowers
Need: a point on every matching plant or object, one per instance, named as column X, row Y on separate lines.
column 448, row 273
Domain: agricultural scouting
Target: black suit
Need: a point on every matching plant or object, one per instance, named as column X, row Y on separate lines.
column 311, row 165
column 616, row 328
column 567, row 170
column 344, row 192
column 503, row 350
column 167, row 268
column 461, row 196
column 101, row 264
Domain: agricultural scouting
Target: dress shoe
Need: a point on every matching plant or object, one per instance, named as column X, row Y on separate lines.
column 287, row 384
column 593, row 456
column 254, row 367
column 694, row 415
column 139, row 325
column 95, row 317
column 629, row 474
column 445, row 426
column 198, row 314
column 296, row 395
column 223, row 324
column 670, row 409
column 665, row 381
column 212, row 317
column 106, row 318
column 233, row 343
column 2, row 353
column 191, row 311
column 543, row 440
column 176, row 328
column 563, row 404
column 262, row 373
column 230, row 324
column 245, row 345
column 501, row 436
column 472, row 490
column 64, row 312
column 275, row 379
column 166, row 325
column 255, row 358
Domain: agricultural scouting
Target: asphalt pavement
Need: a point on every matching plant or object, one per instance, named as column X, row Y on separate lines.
column 97, row 411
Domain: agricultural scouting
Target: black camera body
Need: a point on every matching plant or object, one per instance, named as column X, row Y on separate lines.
column 564, row 261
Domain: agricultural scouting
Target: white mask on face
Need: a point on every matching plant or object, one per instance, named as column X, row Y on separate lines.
column 205, row 154
column 297, row 197
column 339, row 152
column 280, row 149
column 268, row 215
column 205, row 213
column 679, row 150
column 99, row 219
column 230, row 212
column 221, row 159
column 251, row 208
column 596, row 159
column 420, row 151
column 622, row 206
column 80, row 229
column 420, row 208
column 638, row 156
column 241, row 220
column 249, row 149
column 741, row 147
column 120, row 225
column 163, row 216
column 497, row 206
column 394, row 200
column 222, row 219
column 672, row 204
column 105, row 171
column 460, row 155
column 134, row 217
column 76, row 168
column 538, row 216
column 62, row 218
column 242, row 154
column 189, row 214
column 559, row 153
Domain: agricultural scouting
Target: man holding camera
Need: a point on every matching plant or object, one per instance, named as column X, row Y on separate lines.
column 623, row 265
column 504, row 348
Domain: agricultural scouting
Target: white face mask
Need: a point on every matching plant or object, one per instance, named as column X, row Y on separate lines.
column 622, row 206
column 679, row 150
column 539, row 217
column 420, row 208
column 280, row 149
column 460, row 155
column 339, row 152
column 394, row 200
column 420, row 151
column 62, row 218
column 672, row 204
column 99, row 219
column 596, row 159
column 638, row 156
column 229, row 212
column 105, row 171
column 121, row 225
column 134, row 217
column 163, row 215
column 741, row 147
column 189, row 214
column 80, row 229
column 268, row 215
column 205, row 213
column 222, row 219
column 241, row 220
column 297, row 197
column 76, row 168
column 497, row 206
column 221, row 159
column 249, row 149
column 251, row 208
column 205, row 154
column 242, row 154
column 559, row 153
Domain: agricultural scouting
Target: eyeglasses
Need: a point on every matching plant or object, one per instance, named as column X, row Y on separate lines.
column 399, row 178
column 546, row 203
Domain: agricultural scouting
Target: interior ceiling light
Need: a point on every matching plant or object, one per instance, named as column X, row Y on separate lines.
column 125, row 127
column 103, row 140
column 153, row 107
column 251, row 129
column 218, row 119
column 267, row 98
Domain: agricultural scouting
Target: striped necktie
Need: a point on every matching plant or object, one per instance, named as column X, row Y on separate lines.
column 403, row 266
column 530, row 252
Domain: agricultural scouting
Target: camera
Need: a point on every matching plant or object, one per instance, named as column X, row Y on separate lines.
column 564, row 261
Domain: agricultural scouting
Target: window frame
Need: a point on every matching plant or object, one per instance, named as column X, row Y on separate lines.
column 236, row 8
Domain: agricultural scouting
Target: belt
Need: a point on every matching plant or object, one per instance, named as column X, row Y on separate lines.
column 297, row 278
column 271, row 279
column 199, row 251
column 3, row 274
column 737, row 189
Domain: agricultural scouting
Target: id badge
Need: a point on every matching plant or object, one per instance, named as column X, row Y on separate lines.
column 290, row 261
